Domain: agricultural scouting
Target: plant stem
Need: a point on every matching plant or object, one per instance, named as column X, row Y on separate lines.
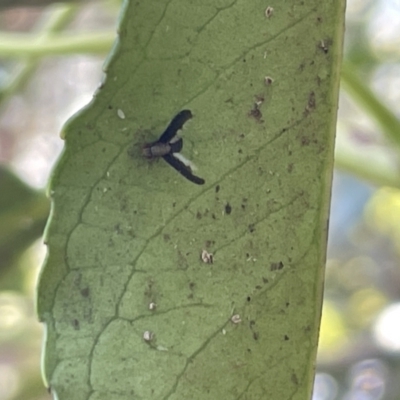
column 361, row 93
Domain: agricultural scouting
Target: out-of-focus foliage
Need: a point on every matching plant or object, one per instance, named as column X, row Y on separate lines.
column 23, row 215
column 359, row 355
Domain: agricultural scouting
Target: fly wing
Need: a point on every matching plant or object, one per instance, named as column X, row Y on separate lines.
column 174, row 126
column 183, row 169
column 176, row 147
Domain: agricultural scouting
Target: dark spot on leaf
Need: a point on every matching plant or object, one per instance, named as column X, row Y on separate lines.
column 287, row 304
column 325, row 44
column 311, row 100
column 276, row 265
column 286, row 337
column 110, row 107
column 252, row 228
column 213, row 216
column 255, row 113
column 85, row 292
column 191, row 285
column 228, row 208
column 166, row 237
column 290, row 167
column 265, row 280
column 255, row 335
column 217, row 189
column 258, row 287
column 198, row 215
column 311, row 104
column 248, row 298
column 75, row 324
column 294, row 379
column 305, row 141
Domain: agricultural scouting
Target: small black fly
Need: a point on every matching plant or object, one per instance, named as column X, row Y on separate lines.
column 170, row 144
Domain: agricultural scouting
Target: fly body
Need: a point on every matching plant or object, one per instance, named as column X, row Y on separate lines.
column 170, row 144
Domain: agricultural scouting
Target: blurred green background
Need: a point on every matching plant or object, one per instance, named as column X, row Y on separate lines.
column 46, row 75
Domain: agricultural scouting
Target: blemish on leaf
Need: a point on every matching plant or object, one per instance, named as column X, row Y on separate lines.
column 209, row 243
column 120, row 113
column 75, row 324
column 255, row 111
column 324, row 45
column 252, row 228
column 236, row 319
column 276, row 266
column 217, row 188
column 228, row 208
column 305, row 141
column 152, row 306
column 268, row 12
column 268, row 81
column 85, row 292
column 207, row 257
column 148, row 336
column 286, row 337
column 311, row 104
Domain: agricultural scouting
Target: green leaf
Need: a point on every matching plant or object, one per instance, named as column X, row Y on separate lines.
column 126, row 234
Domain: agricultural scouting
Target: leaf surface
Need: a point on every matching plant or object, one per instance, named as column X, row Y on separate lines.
column 126, row 234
